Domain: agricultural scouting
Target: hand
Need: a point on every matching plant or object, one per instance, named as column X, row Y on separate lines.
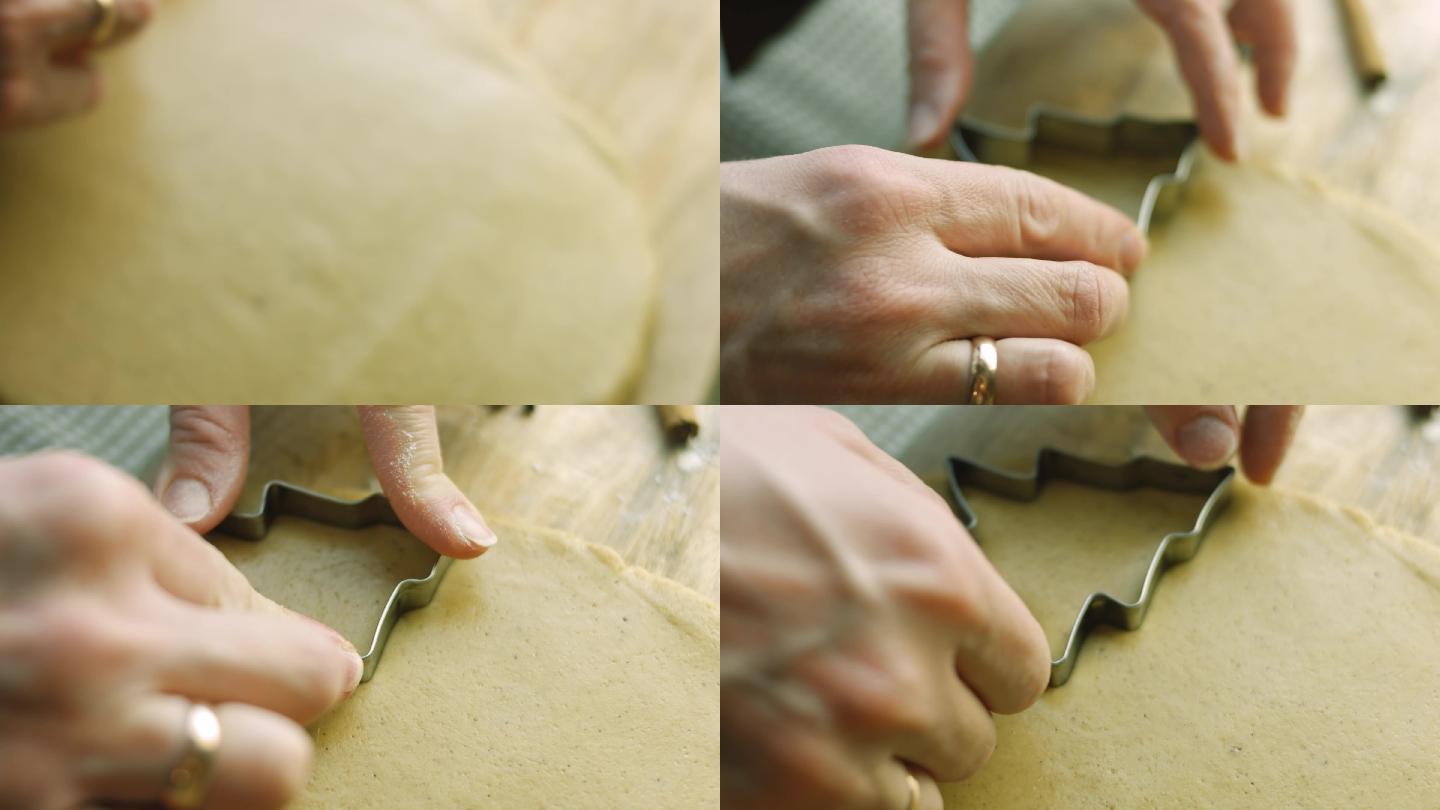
column 1207, row 436
column 204, row 473
column 45, row 68
column 1200, row 31
column 863, row 633
column 114, row 619
column 857, row 274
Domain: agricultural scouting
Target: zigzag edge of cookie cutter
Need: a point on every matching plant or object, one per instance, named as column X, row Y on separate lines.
column 1174, row 548
column 279, row 498
column 1046, row 125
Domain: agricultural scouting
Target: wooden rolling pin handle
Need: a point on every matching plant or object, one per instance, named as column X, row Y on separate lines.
column 1369, row 60
column 680, row 422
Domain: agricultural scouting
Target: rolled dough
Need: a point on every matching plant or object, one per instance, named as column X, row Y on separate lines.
column 1264, row 285
column 1293, row 662
column 298, row 202
column 546, row 674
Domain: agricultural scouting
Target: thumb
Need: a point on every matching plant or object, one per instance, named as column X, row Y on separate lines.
column 204, row 470
column 940, row 68
column 405, row 450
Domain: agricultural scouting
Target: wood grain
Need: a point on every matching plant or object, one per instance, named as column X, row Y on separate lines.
column 1378, row 144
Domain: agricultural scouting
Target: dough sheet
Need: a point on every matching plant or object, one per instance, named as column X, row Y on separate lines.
column 545, row 674
column 1264, row 285
column 1292, row 662
column 402, row 213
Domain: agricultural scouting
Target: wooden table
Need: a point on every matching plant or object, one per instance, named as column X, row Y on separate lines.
column 603, row 473
column 1382, row 144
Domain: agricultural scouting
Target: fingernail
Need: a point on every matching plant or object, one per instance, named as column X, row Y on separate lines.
column 1205, row 441
column 1133, row 250
column 472, row 527
column 923, row 120
column 187, row 499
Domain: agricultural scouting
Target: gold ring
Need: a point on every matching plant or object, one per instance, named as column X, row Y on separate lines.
column 107, row 19
column 190, row 778
column 984, row 360
column 914, row 785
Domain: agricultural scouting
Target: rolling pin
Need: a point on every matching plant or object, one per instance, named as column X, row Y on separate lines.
column 1364, row 46
column 679, row 421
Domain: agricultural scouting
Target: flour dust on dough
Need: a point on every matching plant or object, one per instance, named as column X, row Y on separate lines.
column 1263, row 285
column 298, row 202
column 1292, row 662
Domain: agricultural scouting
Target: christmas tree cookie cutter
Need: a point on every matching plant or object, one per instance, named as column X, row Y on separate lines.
column 1045, row 125
column 1174, row 548
column 280, row 498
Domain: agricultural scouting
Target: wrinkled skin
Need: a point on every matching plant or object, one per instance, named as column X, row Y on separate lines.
column 863, row 632
column 114, row 619
column 855, row 274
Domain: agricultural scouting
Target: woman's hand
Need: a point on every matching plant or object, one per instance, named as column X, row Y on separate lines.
column 1202, row 33
column 45, row 45
column 1207, row 436
column 859, row 275
column 114, row 619
column 863, row 633
column 210, row 453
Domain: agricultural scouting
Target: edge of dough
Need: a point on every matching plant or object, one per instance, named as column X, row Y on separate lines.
column 694, row 613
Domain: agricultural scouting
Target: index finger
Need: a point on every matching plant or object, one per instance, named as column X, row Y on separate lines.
column 998, row 211
column 1201, row 37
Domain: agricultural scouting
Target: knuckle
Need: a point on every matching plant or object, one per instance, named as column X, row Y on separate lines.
column 67, row 500
column 204, row 427
column 71, row 642
column 818, row 772
column 1037, row 212
column 979, row 747
column 1089, row 300
column 865, row 191
column 282, row 774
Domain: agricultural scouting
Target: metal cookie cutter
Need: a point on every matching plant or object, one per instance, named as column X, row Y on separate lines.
column 1174, row 548
column 1045, row 125
column 280, row 498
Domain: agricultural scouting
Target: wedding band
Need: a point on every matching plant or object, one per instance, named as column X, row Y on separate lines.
column 914, row 785
column 190, row 778
column 983, row 362
column 107, row 19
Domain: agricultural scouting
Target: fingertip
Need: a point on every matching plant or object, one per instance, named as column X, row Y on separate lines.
column 1134, row 247
column 923, row 122
column 1041, row 371
column 1222, row 142
column 475, row 535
